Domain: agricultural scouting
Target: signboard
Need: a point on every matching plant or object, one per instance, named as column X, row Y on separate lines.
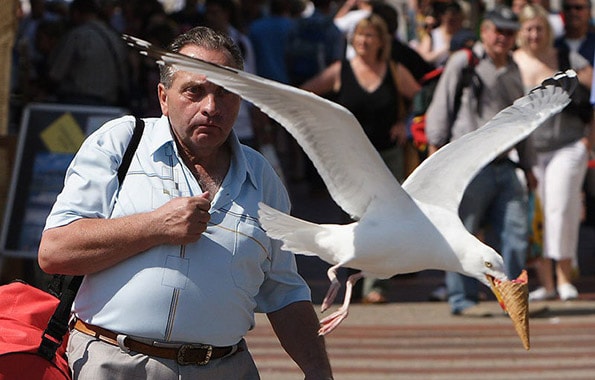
column 49, row 136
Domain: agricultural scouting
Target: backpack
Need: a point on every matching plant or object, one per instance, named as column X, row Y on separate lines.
column 423, row 98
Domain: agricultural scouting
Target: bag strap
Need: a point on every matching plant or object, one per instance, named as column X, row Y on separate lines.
column 58, row 325
column 467, row 78
column 131, row 149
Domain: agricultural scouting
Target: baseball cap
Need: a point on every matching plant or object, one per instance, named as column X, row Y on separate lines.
column 503, row 17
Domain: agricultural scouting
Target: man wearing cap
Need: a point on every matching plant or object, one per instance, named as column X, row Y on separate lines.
column 494, row 203
column 578, row 36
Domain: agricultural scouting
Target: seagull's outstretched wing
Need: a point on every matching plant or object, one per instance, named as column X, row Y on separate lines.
column 442, row 178
column 331, row 136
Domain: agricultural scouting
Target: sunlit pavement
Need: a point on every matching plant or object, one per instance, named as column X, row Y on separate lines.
column 421, row 340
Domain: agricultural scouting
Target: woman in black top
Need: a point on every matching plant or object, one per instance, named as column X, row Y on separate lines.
column 373, row 89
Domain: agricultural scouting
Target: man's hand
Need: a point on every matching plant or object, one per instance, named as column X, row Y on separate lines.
column 398, row 133
column 89, row 245
column 184, row 219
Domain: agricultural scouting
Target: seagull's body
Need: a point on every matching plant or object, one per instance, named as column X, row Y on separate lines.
column 377, row 234
column 398, row 229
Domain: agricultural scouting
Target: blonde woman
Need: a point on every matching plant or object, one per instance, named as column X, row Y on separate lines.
column 562, row 154
column 368, row 87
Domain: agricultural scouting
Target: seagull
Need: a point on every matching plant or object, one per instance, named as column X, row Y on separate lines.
column 396, row 229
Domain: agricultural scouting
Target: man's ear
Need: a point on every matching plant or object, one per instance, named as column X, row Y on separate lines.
column 162, row 95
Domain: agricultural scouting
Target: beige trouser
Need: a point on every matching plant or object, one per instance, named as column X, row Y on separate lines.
column 92, row 359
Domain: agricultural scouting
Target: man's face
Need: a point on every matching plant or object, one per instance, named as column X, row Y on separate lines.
column 577, row 13
column 201, row 114
column 497, row 42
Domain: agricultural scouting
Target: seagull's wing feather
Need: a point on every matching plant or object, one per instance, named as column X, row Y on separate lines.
column 331, row 136
column 442, row 178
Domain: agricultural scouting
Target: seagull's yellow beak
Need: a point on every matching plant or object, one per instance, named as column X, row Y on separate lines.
column 513, row 297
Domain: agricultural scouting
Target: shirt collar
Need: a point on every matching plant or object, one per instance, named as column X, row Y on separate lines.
column 160, row 134
column 240, row 163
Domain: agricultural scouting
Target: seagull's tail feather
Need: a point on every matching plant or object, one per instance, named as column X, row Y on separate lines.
column 297, row 235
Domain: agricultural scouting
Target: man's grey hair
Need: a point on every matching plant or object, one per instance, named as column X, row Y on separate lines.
column 206, row 38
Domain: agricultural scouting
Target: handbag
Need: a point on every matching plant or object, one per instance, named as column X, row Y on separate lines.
column 34, row 323
column 24, row 314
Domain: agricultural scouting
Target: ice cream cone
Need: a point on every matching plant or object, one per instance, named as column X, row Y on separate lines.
column 515, row 296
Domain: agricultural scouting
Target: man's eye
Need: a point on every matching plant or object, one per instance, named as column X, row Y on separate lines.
column 194, row 90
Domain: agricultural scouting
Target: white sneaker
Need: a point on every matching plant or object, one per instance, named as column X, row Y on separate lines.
column 567, row 292
column 541, row 294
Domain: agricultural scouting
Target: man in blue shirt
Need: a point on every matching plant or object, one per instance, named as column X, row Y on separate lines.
column 269, row 36
column 175, row 261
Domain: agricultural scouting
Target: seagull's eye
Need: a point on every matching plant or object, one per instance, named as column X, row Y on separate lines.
column 488, row 264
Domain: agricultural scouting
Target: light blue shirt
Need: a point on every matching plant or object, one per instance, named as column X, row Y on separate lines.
column 204, row 292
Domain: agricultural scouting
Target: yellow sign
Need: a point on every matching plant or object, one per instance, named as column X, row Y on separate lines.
column 64, row 135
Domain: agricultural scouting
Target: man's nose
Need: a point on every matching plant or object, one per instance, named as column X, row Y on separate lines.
column 210, row 103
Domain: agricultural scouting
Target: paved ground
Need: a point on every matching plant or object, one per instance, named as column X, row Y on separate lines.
column 421, row 340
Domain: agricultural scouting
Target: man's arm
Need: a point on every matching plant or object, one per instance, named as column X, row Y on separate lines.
column 296, row 326
column 90, row 245
column 440, row 112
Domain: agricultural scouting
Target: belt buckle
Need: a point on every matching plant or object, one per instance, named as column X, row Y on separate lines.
column 184, row 348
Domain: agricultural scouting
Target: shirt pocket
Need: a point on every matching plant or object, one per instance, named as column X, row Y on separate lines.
column 251, row 256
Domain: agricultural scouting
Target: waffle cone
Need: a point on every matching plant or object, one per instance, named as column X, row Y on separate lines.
column 515, row 295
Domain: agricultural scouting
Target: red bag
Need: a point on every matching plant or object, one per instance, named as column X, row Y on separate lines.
column 24, row 315
column 34, row 324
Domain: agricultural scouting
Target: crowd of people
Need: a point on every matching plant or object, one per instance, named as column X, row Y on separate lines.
column 351, row 52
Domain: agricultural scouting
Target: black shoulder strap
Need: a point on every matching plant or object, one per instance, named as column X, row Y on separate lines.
column 58, row 325
column 131, row 149
column 468, row 78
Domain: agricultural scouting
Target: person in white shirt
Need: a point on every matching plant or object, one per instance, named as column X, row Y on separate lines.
column 175, row 260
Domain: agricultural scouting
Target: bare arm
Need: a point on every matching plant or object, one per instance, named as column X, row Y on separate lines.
column 327, row 81
column 585, row 75
column 345, row 8
column 408, row 86
column 296, row 326
column 425, row 50
column 90, row 245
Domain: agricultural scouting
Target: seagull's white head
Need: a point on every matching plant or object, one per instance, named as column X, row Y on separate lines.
column 484, row 264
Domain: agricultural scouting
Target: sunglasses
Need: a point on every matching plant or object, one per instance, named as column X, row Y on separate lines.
column 577, row 7
column 506, row 32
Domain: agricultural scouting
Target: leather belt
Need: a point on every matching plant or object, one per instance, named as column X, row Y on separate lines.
column 197, row 354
